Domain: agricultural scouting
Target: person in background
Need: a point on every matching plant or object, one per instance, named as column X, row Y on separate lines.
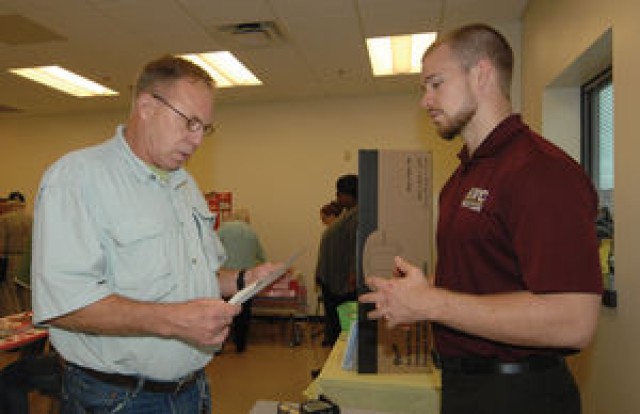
column 33, row 370
column 244, row 252
column 330, row 212
column 17, row 197
column 14, row 201
column 125, row 257
column 336, row 267
column 517, row 285
column 15, row 253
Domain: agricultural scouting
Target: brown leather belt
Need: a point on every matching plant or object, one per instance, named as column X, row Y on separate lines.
column 132, row 382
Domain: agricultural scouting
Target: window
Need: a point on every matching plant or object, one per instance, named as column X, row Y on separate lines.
column 598, row 136
column 597, row 158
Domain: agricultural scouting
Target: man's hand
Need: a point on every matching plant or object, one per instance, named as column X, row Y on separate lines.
column 522, row 318
column 203, row 321
column 398, row 299
column 228, row 278
column 261, row 271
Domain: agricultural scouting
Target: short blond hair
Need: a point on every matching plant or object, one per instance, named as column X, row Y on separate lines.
column 477, row 41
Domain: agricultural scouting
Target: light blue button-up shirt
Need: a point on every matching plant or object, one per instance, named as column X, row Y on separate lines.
column 105, row 223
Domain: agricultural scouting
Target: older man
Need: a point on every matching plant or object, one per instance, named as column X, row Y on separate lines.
column 125, row 257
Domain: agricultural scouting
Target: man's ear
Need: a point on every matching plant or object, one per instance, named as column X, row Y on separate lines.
column 483, row 73
column 144, row 104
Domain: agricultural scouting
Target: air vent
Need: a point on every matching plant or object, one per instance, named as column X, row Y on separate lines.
column 16, row 30
column 249, row 35
column 4, row 109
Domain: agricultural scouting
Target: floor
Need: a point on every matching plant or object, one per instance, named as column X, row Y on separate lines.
column 269, row 369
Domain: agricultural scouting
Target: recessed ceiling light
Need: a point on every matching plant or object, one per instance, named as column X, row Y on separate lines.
column 224, row 68
column 397, row 55
column 64, row 80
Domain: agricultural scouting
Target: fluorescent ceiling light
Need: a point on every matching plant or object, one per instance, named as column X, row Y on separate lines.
column 64, row 80
column 397, row 55
column 224, row 68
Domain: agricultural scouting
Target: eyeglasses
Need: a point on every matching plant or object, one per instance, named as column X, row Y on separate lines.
column 193, row 124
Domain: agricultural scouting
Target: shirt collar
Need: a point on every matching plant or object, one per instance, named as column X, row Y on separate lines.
column 500, row 137
column 143, row 171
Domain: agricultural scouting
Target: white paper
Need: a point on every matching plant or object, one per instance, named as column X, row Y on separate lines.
column 251, row 290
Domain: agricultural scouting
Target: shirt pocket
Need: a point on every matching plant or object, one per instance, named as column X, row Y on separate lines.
column 212, row 247
column 141, row 263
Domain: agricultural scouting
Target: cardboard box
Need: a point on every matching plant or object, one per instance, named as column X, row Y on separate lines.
column 395, row 219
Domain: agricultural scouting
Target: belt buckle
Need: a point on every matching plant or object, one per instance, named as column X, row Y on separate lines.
column 184, row 381
column 512, row 368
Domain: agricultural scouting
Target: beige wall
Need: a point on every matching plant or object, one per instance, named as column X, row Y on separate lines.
column 555, row 35
column 30, row 144
column 279, row 159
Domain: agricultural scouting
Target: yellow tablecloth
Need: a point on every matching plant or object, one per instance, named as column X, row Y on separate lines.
column 392, row 393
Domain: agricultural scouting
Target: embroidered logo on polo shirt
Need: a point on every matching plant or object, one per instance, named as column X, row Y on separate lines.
column 475, row 198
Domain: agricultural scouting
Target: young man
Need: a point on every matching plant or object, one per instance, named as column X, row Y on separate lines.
column 517, row 284
column 125, row 257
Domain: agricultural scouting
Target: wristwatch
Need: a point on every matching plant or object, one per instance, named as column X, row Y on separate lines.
column 240, row 279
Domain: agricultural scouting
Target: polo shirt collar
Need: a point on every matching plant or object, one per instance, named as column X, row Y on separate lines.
column 496, row 140
column 141, row 170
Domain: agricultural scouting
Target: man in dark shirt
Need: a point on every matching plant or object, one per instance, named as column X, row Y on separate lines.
column 518, row 282
column 336, row 269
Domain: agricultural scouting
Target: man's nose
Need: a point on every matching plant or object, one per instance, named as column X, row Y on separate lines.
column 427, row 100
column 196, row 137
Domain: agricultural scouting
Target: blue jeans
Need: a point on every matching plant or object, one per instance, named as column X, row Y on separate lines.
column 84, row 394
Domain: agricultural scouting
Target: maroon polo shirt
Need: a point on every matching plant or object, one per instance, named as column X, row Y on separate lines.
column 517, row 215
